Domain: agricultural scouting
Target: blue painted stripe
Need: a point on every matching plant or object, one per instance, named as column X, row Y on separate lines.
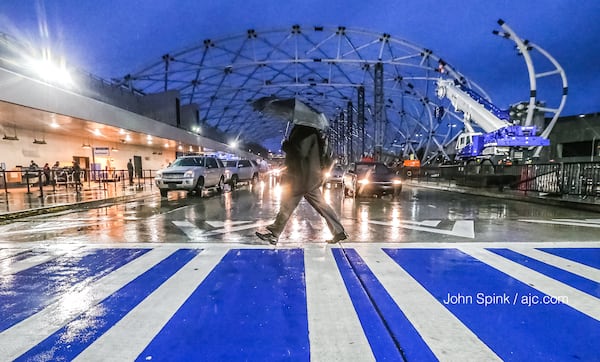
column 587, row 256
column 384, row 324
column 513, row 330
column 75, row 336
column 29, row 291
column 251, row 307
column 576, row 281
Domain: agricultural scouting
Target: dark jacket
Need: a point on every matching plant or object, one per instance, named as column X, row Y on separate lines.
column 303, row 159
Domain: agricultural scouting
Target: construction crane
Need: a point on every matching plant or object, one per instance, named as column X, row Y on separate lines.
column 502, row 130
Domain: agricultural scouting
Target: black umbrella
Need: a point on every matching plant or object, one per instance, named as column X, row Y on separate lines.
column 291, row 109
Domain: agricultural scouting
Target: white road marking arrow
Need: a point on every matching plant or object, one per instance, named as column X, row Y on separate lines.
column 461, row 228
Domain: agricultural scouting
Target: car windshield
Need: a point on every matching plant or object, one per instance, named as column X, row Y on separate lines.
column 376, row 168
column 188, row 161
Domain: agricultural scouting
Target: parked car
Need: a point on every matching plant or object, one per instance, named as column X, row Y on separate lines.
column 192, row 174
column 371, row 178
column 240, row 171
column 334, row 175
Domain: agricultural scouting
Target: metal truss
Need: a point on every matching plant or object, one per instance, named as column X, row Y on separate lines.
column 324, row 67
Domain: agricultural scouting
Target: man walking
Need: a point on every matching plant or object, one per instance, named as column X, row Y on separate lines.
column 304, row 179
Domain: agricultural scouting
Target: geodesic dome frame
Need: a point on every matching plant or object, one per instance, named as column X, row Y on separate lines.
column 377, row 90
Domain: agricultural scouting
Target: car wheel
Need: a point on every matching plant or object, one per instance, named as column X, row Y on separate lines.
column 199, row 187
column 234, row 181
column 163, row 193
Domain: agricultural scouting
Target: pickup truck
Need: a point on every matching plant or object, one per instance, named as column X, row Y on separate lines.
column 241, row 171
column 192, row 174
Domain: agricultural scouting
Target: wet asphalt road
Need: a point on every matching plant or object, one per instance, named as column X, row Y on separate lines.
column 418, row 215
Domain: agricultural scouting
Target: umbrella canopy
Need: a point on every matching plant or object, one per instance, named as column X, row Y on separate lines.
column 291, row 109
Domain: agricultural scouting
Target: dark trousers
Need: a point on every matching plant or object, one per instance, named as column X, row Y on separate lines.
column 316, row 200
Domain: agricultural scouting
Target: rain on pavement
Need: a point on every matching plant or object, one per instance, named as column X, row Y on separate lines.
column 418, row 215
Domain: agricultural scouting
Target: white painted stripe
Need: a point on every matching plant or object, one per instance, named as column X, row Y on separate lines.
column 196, row 234
column 335, row 331
column 581, row 221
column 229, row 229
column 35, row 260
column 465, row 228
column 448, row 338
column 221, row 224
column 189, row 229
column 557, row 222
column 58, row 226
column 128, row 338
column 25, row 264
column 461, row 228
column 9, row 253
column 562, row 263
column 577, row 299
column 26, row 334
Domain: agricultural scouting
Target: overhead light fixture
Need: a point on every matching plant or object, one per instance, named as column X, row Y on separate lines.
column 39, row 142
column 114, row 149
column 11, row 138
column 86, row 145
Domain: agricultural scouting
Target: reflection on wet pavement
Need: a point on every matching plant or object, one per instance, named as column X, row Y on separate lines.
column 417, row 215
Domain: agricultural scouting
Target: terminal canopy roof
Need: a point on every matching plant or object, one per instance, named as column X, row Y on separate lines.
column 326, row 68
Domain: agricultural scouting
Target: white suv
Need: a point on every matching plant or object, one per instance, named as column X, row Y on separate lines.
column 192, row 174
column 241, row 171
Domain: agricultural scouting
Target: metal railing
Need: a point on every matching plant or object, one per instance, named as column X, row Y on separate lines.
column 577, row 179
column 36, row 180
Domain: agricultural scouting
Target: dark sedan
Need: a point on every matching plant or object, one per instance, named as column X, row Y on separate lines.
column 371, row 178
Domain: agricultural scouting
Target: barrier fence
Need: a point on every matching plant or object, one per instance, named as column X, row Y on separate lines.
column 577, row 179
column 38, row 181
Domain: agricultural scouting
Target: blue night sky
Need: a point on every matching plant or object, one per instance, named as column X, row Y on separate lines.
column 111, row 38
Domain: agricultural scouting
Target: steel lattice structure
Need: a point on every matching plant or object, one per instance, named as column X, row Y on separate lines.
column 324, row 67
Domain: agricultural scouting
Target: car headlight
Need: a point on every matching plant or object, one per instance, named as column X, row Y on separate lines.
column 363, row 181
column 327, row 174
column 396, row 182
column 158, row 175
column 189, row 174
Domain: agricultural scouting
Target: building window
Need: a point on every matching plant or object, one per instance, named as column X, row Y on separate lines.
column 578, row 149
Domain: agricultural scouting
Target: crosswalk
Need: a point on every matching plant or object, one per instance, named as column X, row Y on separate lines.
column 356, row 302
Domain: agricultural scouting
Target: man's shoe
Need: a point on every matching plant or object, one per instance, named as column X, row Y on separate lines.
column 272, row 239
column 338, row 237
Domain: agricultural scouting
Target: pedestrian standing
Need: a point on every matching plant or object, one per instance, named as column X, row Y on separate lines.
column 304, row 177
column 46, row 171
column 130, row 171
column 76, row 175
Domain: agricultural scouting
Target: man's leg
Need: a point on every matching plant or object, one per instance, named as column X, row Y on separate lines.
column 316, row 200
column 286, row 208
